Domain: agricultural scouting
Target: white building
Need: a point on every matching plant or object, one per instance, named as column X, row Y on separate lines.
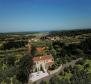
column 40, row 68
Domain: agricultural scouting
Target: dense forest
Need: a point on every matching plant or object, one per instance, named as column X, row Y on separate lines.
column 70, row 32
column 13, row 44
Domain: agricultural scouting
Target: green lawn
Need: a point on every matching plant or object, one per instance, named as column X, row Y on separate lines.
column 80, row 67
column 88, row 62
column 66, row 76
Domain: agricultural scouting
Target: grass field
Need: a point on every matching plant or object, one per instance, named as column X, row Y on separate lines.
column 88, row 62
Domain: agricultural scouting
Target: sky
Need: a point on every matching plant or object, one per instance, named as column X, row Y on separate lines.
column 44, row 15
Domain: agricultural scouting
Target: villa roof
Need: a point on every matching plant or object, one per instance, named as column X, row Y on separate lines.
column 46, row 57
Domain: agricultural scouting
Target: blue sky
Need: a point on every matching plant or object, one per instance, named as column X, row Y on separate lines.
column 41, row 15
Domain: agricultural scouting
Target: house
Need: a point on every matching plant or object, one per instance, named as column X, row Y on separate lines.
column 35, row 39
column 42, row 63
column 40, row 67
column 53, row 38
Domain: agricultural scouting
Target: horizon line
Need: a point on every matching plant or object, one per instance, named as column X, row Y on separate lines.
column 35, row 31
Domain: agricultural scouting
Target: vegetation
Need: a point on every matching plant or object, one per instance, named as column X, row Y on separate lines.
column 16, row 65
column 25, row 68
column 73, row 75
column 81, row 73
column 12, row 44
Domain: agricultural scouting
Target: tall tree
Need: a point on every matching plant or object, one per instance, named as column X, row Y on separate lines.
column 25, row 68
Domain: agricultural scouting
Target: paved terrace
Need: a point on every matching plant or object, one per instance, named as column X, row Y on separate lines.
column 37, row 75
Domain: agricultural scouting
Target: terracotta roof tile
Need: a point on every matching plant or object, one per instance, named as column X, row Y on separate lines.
column 46, row 57
column 39, row 49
